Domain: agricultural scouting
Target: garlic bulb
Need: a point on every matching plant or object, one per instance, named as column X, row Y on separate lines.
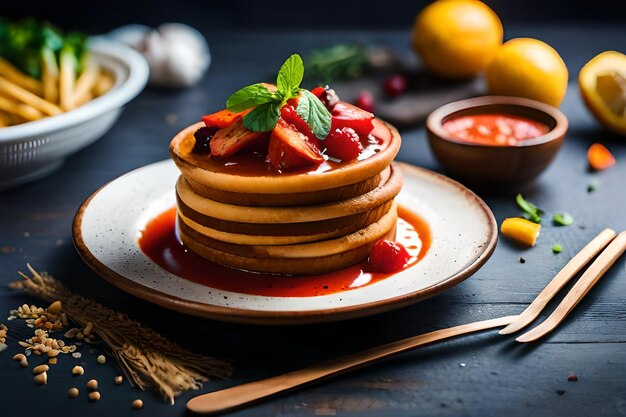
column 178, row 54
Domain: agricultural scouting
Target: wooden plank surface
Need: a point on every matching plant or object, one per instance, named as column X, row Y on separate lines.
column 481, row 375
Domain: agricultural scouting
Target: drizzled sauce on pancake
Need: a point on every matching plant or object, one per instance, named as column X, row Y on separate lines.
column 161, row 244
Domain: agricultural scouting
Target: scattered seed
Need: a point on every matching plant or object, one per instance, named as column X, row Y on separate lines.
column 40, row 369
column 101, row 359
column 94, row 396
column 52, row 361
column 572, row 377
column 41, row 379
column 77, row 355
column 73, row 392
column 522, row 260
column 88, row 328
column 92, row 385
column 71, row 333
column 78, row 370
column 53, row 353
column 118, row 380
column 19, row 357
column 137, row 404
column 55, row 308
column 556, row 248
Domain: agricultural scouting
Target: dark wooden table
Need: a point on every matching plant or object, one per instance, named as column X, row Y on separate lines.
column 480, row 375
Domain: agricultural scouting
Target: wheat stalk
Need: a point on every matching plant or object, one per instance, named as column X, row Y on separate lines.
column 145, row 357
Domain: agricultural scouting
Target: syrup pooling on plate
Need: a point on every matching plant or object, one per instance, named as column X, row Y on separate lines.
column 161, row 244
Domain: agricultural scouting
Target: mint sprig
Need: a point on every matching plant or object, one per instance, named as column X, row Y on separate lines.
column 267, row 104
column 314, row 112
column 248, row 97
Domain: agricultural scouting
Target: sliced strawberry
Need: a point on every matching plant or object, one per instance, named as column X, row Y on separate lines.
column 223, row 118
column 291, row 116
column 347, row 115
column 289, row 148
column 344, row 144
column 232, row 139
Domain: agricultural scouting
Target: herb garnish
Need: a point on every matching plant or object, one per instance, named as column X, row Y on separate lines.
column 531, row 212
column 268, row 104
column 562, row 219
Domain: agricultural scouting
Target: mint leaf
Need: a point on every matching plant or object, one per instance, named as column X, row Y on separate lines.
column 248, row 97
column 562, row 219
column 532, row 212
column 290, row 76
column 314, row 113
column 263, row 118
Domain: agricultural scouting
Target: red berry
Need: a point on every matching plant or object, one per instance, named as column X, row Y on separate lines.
column 395, row 85
column 365, row 101
column 327, row 96
column 344, row 144
column 387, row 256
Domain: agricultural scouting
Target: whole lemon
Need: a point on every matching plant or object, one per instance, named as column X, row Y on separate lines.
column 530, row 68
column 457, row 38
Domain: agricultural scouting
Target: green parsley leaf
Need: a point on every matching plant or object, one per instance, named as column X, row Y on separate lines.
column 248, row 97
column 290, row 76
column 556, row 248
column 314, row 113
column 562, row 219
column 532, row 212
column 263, row 118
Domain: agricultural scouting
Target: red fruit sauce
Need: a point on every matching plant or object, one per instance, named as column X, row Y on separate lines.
column 161, row 244
column 494, row 129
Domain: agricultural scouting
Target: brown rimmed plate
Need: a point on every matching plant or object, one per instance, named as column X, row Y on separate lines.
column 108, row 224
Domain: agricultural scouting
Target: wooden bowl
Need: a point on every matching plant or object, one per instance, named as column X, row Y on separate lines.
column 509, row 167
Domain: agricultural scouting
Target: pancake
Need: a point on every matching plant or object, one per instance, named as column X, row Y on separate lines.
column 301, row 259
column 202, row 169
column 279, row 234
column 286, row 215
column 292, row 199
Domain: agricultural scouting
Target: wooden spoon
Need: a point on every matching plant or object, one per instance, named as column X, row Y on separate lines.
column 237, row 396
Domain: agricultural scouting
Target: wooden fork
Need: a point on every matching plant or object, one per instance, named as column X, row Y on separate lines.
column 236, row 397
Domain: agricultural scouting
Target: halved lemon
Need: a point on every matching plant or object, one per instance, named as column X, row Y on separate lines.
column 602, row 83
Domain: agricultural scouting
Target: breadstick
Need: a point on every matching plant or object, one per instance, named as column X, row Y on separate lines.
column 18, row 77
column 23, row 110
column 50, row 76
column 103, row 84
column 26, row 97
column 67, row 79
column 85, row 83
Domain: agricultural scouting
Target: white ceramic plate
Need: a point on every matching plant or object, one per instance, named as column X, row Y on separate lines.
column 106, row 228
column 32, row 150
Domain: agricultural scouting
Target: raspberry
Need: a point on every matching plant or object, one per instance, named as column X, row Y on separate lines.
column 344, row 144
column 387, row 256
column 395, row 85
column 365, row 101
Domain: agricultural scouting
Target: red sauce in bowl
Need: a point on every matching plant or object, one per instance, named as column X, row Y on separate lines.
column 161, row 244
column 494, row 129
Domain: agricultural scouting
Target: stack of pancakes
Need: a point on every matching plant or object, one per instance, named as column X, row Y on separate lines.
column 301, row 223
